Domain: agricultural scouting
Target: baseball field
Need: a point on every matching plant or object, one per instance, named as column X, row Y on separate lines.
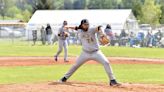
column 26, row 68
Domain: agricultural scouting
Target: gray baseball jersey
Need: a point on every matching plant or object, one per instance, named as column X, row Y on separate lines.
column 61, row 32
column 90, row 51
column 62, row 43
column 89, row 40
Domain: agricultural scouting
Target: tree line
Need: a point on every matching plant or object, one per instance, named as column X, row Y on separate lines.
column 146, row 11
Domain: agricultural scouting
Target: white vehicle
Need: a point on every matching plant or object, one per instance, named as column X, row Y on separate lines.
column 145, row 28
column 8, row 32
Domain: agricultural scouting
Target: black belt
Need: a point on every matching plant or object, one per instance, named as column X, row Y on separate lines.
column 91, row 51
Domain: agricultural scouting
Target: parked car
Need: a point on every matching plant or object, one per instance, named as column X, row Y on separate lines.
column 22, row 30
column 9, row 32
column 145, row 28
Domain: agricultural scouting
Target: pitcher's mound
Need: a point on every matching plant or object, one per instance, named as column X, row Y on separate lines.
column 80, row 87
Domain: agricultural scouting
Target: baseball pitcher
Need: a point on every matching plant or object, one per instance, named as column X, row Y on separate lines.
column 91, row 51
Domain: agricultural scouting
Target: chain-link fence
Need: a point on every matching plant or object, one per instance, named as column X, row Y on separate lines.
column 10, row 35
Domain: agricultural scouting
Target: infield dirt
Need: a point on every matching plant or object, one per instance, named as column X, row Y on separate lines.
column 72, row 86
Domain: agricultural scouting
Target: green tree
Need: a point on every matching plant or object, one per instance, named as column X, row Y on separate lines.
column 21, row 4
column 11, row 12
column 130, row 3
column 68, row 4
column 116, row 4
column 26, row 15
column 161, row 2
column 28, row 7
column 150, row 13
column 94, row 4
column 79, row 4
column 42, row 4
column 136, row 8
column 19, row 16
column 58, row 4
column 135, row 5
column 101, row 4
column 5, row 5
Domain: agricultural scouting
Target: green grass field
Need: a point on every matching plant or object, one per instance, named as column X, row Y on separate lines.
column 88, row 73
column 73, row 50
column 136, row 73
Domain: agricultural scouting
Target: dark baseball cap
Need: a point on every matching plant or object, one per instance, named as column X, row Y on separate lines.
column 84, row 21
column 65, row 22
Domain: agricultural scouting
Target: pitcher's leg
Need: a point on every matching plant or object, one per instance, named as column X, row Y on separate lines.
column 60, row 48
column 80, row 61
column 99, row 56
column 65, row 51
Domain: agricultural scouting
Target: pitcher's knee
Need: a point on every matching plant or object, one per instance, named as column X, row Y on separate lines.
column 106, row 63
column 75, row 66
column 60, row 50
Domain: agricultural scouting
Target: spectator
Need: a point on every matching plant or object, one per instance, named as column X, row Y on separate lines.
column 123, row 39
column 132, row 39
column 123, row 33
column 73, row 37
column 116, row 38
column 157, row 38
column 149, row 39
column 140, row 38
column 34, row 34
column 43, row 35
column 158, row 35
column 48, row 34
column 108, row 31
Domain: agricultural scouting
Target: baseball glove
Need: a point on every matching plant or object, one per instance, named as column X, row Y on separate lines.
column 65, row 34
column 104, row 40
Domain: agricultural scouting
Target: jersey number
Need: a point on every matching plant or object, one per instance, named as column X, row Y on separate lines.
column 90, row 40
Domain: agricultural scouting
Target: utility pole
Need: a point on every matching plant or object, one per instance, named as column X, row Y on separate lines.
column 2, row 12
column 2, row 7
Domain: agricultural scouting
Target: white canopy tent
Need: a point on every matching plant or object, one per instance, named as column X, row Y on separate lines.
column 56, row 17
column 118, row 19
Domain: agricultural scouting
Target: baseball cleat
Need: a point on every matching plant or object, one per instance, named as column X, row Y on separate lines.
column 114, row 83
column 63, row 80
column 56, row 59
column 65, row 60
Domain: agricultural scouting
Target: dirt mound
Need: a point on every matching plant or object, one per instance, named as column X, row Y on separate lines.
column 80, row 87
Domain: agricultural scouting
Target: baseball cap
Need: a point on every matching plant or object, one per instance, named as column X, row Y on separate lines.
column 65, row 22
column 84, row 21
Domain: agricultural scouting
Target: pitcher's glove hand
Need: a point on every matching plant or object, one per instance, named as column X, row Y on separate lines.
column 104, row 40
column 65, row 34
